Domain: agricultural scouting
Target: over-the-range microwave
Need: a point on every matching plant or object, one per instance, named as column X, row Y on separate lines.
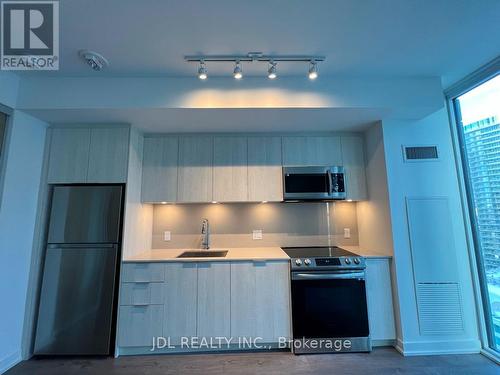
column 313, row 183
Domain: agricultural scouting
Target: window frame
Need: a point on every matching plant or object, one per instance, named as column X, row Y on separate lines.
column 5, row 146
column 470, row 82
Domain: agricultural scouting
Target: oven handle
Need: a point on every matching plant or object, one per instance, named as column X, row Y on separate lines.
column 330, row 181
column 360, row 275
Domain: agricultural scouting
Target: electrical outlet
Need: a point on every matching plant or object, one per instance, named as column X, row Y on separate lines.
column 257, row 234
column 347, row 232
column 166, row 235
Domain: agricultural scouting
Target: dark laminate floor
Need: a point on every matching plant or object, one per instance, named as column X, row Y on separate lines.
column 380, row 361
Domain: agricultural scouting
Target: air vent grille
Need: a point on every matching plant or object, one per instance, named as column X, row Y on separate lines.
column 440, row 309
column 416, row 153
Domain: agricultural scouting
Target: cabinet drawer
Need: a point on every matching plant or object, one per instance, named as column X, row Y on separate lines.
column 143, row 272
column 139, row 324
column 141, row 294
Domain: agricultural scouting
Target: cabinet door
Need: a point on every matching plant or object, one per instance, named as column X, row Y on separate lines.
column 159, row 169
column 195, row 169
column 108, row 159
column 379, row 298
column 139, row 324
column 69, row 155
column 230, row 169
column 260, row 300
column 322, row 151
column 180, row 298
column 354, row 162
column 214, row 308
column 264, row 169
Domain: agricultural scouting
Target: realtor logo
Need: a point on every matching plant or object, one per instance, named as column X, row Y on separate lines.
column 30, row 35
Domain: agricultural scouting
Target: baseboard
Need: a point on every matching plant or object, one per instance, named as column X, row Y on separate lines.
column 9, row 361
column 377, row 342
column 414, row 348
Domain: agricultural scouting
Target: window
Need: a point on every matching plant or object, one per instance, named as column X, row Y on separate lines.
column 478, row 119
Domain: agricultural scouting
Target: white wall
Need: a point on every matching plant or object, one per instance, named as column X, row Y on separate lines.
column 17, row 223
column 430, row 179
column 374, row 219
column 9, row 87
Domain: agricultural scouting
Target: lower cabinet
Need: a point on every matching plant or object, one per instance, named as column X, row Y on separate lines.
column 260, row 300
column 214, row 307
column 240, row 300
column 379, row 298
column 139, row 324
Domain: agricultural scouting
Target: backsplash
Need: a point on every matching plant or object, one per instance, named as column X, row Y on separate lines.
column 231, row 224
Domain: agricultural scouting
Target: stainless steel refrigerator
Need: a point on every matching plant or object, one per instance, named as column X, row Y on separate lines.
column 76, row 311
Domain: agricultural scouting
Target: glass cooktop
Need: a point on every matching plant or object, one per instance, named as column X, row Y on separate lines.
column 317, row 251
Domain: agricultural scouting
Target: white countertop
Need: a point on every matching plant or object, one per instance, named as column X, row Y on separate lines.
column 366, row 253
column 234, row 253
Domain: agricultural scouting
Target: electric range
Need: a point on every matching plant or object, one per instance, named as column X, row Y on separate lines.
column 329, row 308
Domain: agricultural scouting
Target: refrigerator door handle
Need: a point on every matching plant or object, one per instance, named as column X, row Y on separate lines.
column 81, row 245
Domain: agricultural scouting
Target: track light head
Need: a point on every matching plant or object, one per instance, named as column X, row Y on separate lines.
column 271, row 72
column 238, row 72
column 313, row 70
column 202, row 71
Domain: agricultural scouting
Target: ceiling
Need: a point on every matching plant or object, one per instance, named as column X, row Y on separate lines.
column 182, row 120
column 447, row 38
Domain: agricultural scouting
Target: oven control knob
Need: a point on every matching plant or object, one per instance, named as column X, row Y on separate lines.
column 307, row 262
column 356, row 260
column 347, row 261
column 298, row 262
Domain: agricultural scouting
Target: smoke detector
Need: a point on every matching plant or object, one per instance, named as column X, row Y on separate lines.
column 95, row 60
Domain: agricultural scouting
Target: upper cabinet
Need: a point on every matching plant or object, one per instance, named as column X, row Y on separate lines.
column 195, row 169
column 320, row 150
column 159, row 169
column 82, row 155
column 354, row 163
column 234, row 168
column 230, row 169
column 264, row 169
column 108, row 155
column 69, row 155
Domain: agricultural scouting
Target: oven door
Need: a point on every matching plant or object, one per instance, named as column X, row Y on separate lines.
column 313, row 183
column 330, row 306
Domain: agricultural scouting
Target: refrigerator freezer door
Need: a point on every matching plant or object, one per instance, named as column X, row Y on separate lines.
column 76, row 304
column 85, row 214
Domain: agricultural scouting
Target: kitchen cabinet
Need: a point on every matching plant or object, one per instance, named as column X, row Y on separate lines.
column 260, row 300
column 318, row 150
column 239, row 299
column 195, row 169
column 68, row 155
column 264, row 169
column 83, row 155
column 230, row 169
column 379, row 299
column 108, row 154
column 214, row 307
column 354, row 163
column 159, row 169
column 139, row 324
column 181, row 299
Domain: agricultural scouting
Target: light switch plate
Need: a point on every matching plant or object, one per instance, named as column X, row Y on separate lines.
column 347, row 232
column 257, row 234
column 166, row 235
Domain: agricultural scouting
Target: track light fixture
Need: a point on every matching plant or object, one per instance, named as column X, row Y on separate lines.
column 271, row 72
column 313, row 70
column 202, row 71
column 238, row 73
column 256, row 57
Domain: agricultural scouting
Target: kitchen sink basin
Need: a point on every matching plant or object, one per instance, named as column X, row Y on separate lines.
column 203, row 254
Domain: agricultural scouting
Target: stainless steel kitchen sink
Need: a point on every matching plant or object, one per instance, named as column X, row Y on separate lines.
column 203, row 254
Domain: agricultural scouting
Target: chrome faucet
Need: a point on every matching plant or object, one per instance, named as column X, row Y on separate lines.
column 205, row 230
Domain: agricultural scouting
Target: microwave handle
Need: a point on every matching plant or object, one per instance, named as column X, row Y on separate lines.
column 330, row 181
